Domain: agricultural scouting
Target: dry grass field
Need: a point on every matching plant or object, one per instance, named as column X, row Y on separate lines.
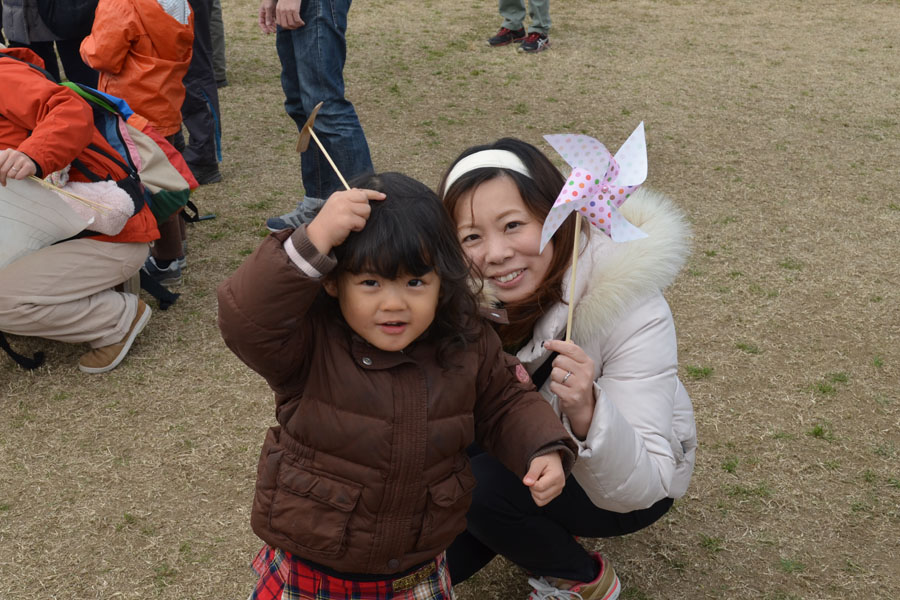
column 773, row 123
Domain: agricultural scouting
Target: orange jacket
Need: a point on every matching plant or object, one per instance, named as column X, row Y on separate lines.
column 142, row 54
column 53, row 125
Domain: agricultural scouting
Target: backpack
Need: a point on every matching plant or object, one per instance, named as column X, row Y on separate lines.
column 29, row 364
column 68, row 19
column 166, row 183
column 166, row 178
column 145, row 156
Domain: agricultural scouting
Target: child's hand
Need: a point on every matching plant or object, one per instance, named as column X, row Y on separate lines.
column 343, row 212
column 546, row 478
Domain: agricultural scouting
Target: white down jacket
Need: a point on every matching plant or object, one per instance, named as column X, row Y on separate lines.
column 642, row 439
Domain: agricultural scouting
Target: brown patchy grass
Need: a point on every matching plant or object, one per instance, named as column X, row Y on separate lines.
column 774, row 124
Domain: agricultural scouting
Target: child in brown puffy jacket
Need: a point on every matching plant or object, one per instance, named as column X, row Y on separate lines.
column 364, row 325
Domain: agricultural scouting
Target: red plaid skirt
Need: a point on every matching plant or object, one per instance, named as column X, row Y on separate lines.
column 283, row 577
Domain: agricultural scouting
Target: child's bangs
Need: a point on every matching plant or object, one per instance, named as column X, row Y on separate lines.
column 409, row 232
column 389, row 252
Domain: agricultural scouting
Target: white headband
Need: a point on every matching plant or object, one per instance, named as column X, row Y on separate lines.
column 503, row 159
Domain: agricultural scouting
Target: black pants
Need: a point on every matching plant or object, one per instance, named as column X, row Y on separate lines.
column 505, row 520
column 200, row 111
column 75, row 68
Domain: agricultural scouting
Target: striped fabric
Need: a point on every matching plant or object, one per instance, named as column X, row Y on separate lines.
column 177, row 9
column 282, row 577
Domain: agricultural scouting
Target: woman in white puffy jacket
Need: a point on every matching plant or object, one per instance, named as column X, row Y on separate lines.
column 615, row 385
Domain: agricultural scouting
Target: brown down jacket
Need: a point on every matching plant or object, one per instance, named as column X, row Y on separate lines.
column 367, row 470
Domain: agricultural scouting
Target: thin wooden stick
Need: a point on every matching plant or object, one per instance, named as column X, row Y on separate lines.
column 76, row 197
column 572, row 281
column 331, row 162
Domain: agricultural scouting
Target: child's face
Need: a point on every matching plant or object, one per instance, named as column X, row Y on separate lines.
column 388, row 313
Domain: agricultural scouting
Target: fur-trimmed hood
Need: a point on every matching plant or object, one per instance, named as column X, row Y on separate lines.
column 622, row 274
column 611, row 277
column 642, row 439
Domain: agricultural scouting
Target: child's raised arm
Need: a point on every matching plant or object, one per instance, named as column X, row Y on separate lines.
column 343, row 212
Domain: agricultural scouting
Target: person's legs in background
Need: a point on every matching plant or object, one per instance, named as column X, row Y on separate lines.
column 513, row 13
column 76, row 70
column 537, row 38
column 312, row 62
column 512, row 28
column 47, row 53
column 539, row 11
column 217, row 32
column 200, row 110
column 167, row 258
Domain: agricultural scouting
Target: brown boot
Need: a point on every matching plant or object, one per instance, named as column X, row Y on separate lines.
column 107, row 358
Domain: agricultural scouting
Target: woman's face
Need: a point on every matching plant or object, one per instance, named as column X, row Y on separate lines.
column 502, row 238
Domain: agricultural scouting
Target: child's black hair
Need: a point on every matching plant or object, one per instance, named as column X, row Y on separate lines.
column 410, row 232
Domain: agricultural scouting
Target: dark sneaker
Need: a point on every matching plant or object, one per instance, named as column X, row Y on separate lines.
column 168, row 276
column 206, row 174
column 535, row 42
column 107, row 358
column 305, row 212
column 507, row 36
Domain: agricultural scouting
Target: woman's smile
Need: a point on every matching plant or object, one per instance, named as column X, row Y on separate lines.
column 502, row 238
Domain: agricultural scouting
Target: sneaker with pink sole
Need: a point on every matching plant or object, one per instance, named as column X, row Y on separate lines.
column 605, row 586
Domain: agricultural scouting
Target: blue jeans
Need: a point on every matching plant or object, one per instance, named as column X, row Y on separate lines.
column 312, row 64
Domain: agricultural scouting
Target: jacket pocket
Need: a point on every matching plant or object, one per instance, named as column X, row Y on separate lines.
column 267, row 467
column 312, row 508
column 448, row 502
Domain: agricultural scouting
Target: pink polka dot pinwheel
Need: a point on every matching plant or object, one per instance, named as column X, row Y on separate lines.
column 598, row 184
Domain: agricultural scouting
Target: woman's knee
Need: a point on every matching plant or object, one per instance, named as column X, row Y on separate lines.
column 499, row 493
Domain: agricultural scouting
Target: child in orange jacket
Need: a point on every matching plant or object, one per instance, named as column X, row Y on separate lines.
column 142, row 49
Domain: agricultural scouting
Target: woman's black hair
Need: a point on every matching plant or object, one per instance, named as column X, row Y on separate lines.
column 538, row 192
column 410, row 232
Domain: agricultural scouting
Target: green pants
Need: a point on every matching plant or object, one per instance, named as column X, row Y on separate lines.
column 513, row 13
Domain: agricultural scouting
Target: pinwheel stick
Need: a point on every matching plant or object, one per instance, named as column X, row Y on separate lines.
column 307, row 132
column 330, row 162
column 572, row 280
column 85, row 201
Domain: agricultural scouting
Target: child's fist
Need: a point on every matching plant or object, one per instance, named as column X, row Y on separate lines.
column 545, row 477
column 342, row 213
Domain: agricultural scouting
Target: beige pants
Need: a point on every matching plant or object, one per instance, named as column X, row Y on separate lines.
column 62, row 292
